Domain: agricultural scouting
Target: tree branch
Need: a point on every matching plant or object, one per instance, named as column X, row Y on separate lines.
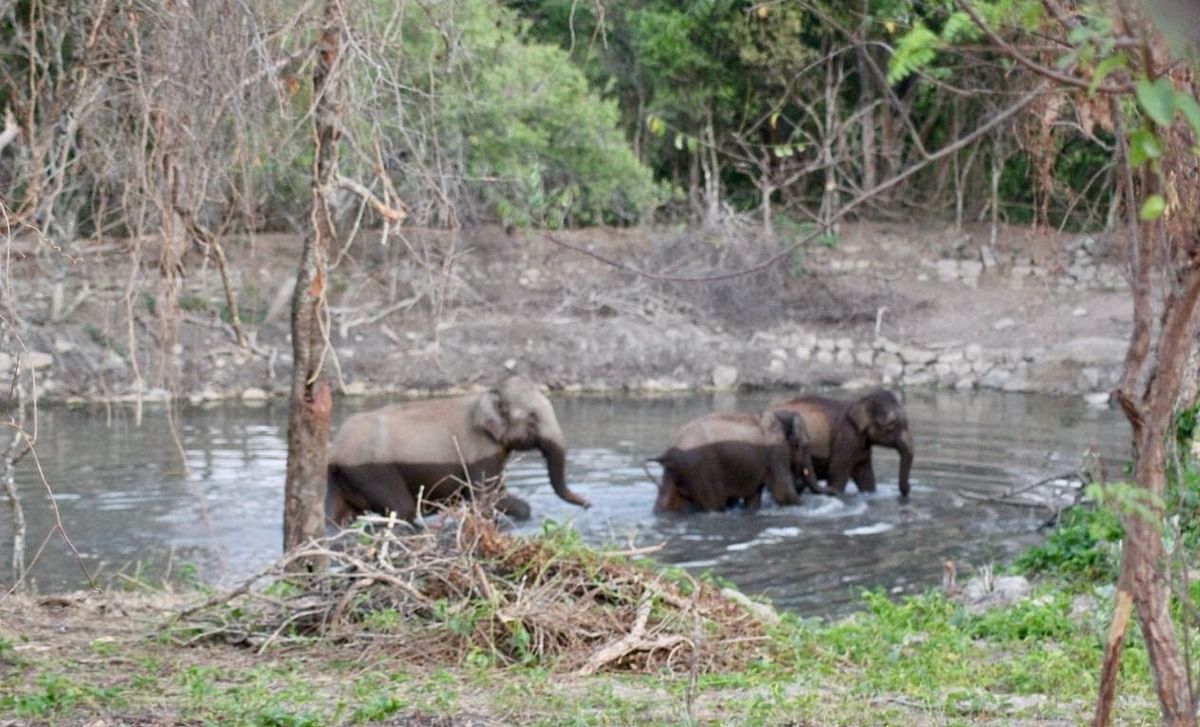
column 391, row 214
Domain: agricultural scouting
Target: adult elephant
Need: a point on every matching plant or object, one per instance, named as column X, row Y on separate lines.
column 841, row 434
column 385, row 460
column 718, row 459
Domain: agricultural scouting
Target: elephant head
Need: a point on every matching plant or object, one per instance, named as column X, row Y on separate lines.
column 519, row 417
column 880, row 418
column 797, row 437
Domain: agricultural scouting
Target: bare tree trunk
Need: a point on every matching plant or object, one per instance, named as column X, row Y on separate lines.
column 308, row 418
column 16, row 449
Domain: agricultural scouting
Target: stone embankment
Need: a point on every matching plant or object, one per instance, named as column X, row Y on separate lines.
column 965, row 317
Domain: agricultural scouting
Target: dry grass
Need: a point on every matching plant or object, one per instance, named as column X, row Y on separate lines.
column 465, row 592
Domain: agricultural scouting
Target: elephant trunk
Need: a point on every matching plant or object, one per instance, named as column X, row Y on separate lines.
column 905, row 448
column 556, row 466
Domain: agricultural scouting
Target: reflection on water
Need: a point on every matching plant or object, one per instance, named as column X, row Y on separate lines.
column 124, row 497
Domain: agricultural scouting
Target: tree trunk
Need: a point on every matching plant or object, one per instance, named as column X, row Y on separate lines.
column 1149, row 391
column 308, row 418
column 17, row 447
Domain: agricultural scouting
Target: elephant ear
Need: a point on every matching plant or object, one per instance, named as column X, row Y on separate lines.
column 860, row 415
column 491, row 415
column 793, row 428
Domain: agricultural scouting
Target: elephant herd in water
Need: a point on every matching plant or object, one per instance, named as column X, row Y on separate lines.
column 391, row 459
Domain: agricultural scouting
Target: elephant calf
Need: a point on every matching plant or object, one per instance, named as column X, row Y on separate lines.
column 842, row 433
column 718, row 459
column 384, row 460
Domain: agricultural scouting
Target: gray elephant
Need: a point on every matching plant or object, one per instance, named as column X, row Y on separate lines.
column 383, row 460
column 843, row 432
column 717, row 460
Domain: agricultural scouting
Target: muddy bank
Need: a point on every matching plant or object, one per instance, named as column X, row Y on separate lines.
column 434, row 312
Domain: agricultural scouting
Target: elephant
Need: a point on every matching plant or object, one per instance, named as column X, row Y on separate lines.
column 718, row 459
column 841, row 434
column 386, row 459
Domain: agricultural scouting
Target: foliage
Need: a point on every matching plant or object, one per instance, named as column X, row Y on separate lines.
column 1082, row 546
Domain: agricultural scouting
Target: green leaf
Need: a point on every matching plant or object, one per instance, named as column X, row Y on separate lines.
column 1152, row 208
column 1144, row 145
column 1157, row 98
column 915, row 50
column 1105, row 67
column 1190, row 110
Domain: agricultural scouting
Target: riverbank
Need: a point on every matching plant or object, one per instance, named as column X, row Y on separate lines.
column 435, row 312
column 128, row 657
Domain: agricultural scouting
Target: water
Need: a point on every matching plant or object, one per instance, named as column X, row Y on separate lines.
column 124, row 499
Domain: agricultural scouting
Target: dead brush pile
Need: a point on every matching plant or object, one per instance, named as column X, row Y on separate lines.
column 465, row 592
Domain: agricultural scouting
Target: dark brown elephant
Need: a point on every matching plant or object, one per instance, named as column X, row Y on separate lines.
column 841, row 434
column 383, row 460
column 718, row 459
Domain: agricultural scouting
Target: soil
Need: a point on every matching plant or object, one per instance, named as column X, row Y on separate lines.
column 434, row 311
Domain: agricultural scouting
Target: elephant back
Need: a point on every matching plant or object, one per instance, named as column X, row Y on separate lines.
column 436, row 431
column 726, row 427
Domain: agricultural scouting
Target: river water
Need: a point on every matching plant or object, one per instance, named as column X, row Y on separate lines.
column 124, row 499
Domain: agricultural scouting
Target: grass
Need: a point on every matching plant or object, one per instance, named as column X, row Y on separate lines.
column 919, row 660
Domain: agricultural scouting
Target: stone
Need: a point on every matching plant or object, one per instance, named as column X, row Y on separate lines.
column 62, row 345
column 1091, row 351
column 510, row 364
column 253, row 393
column 919, row 378
column 824, row 356
column 1089, row 377
column 356, row 388
column 779, row 353
column 996, row 378
column 1003, row 324
column 1098, row 399
column 947, row 269
column 845, row 343
column 803, row 353
column 885, row 358
column 966, row 383
column 983, row 594
column 826, row 344
column 864, row 357
column 919, row 356
column 1021, row 271
column 723, row 376
column 973, row 352
column 970, row 268
column 987, row 257
column 777, row 367
column 37, row 360
column 114, row 362
column 1079, row 312
column 845, row 357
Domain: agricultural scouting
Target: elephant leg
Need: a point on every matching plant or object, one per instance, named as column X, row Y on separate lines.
column 669, row 498
column 514, row 507
column 754, row 501
column 841, row 464
column 375, row 487
column 863, row 475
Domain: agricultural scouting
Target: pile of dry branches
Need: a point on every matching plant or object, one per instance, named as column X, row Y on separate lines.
column 463, row 591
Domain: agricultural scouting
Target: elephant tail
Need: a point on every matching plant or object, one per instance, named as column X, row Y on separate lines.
column 662, row 459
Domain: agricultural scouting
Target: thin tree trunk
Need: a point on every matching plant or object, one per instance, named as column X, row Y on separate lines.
column 16, row 449
column 308, row 418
